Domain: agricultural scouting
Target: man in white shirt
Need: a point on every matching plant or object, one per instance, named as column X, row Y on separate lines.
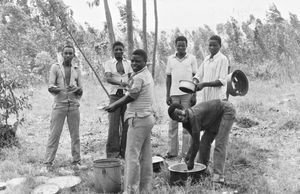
column 211, row 75
column 180, row 66
column 211, row 79
column 117, row 73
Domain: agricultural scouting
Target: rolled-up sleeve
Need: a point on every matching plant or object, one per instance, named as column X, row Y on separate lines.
column 135, row 89
column 107, row 67
column 52, row 76
column 194, row 65
column 168, row 68
column 199, row 74
column 223, row 71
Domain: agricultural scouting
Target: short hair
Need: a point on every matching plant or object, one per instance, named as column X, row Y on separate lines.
column 141, row 53
column 68, row 46
column 117, row 43
column 181, row 38
column 216, row 38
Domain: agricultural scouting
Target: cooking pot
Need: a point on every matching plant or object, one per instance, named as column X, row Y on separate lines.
column 157, row 163
column 187, row 86
column 237, row 83
column 179, row 173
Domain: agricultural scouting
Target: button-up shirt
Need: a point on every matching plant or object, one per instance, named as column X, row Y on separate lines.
column 141, row 90
column 111, row 67
column 180, row 69
column 212, row 69
column 57, row 78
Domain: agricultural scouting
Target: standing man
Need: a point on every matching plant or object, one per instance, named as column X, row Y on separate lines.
column 65, row 85
column 117, row 72
column 140, row 116
column 180, row 66
column 215, row 118
column 211, row 75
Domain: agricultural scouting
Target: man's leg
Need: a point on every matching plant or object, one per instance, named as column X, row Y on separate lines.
column 124, row 129
column 185, row 100
column 56, row 125
column 173, row 142
column 204, row 149
column 146, row 156
column 73, row 119
column 113, row 139
column 136, row 136
column 222, row 139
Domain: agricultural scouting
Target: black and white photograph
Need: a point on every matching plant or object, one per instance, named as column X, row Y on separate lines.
column 150, row 96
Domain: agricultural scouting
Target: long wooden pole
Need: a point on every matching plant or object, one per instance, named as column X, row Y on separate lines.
column 95, row 72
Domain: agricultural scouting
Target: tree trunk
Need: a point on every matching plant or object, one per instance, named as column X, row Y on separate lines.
column 155, row 39
column 109, row 24
column 145, row 26
column 129, row 28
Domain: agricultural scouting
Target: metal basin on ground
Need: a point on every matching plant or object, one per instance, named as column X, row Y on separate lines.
column 179, row 173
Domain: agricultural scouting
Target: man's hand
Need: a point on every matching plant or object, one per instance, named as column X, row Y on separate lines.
column 124, row 84
column 189, row 162
column 193, row 99
column 199, row 87
column 190, row 165
column 110, row 108
column 169, row 100
column 54, row 89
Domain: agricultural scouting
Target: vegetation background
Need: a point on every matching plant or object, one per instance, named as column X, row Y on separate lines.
column 264, row 148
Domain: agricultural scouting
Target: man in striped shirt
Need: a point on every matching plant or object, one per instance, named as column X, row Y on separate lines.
column 139, row 113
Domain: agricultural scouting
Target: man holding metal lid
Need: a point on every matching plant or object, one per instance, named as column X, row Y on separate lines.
column 215, row 118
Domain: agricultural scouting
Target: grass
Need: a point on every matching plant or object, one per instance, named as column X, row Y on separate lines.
column 263, row 158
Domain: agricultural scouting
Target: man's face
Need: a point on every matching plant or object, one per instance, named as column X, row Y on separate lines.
column 181, row 47
column 182, row 117
column 118, row 51
column 213, row 47
column 137, row 63
column 68, row 54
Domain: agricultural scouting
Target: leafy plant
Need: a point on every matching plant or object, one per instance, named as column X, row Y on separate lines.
column 10, row 105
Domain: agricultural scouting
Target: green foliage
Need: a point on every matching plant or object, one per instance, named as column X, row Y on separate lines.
column 10, row 104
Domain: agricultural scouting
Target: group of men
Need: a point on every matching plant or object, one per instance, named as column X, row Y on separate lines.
column 131, row 115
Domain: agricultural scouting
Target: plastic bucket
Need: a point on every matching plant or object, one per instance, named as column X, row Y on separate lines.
column 107, row 175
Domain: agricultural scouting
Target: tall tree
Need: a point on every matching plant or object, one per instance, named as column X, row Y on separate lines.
column 109, row 22
column 129, row 28
column 155, row 39
column 145, row 26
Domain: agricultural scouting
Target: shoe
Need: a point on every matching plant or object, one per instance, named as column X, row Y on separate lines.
column 78, row 166
column 218, row 179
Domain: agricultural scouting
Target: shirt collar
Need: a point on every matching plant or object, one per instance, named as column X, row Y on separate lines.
column 140, row 71
column 216, row 55
column 185, row 56
column 115, row 60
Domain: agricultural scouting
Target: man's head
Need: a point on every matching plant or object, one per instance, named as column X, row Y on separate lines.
column 138, row 60
column 118, row 49
column 214, row 44
column 181, row 44
column 68, row 53
column 178, row 113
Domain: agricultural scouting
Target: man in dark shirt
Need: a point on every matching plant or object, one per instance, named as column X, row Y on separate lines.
column 215, row 118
